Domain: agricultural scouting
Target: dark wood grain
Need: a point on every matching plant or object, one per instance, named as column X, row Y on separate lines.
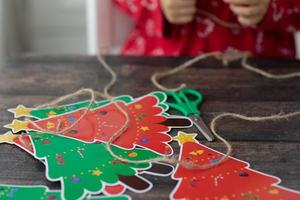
column 271, row 147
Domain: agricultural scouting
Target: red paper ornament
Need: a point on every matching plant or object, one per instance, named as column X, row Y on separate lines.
column 231, row 180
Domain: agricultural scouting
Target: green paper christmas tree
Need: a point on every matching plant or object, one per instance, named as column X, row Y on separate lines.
column 85, row 168
column 8, row 192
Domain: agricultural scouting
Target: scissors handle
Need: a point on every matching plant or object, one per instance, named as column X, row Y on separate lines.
column 193, row 104
column 177, row 104
column 182, row 102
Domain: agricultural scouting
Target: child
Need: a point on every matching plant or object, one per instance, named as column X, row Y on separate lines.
column 178, row 27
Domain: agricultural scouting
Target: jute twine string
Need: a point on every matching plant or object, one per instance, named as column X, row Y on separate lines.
column 174, row 159
column 167, row 159
column 226, row 58
column 157, row 76
column 217, row 20
column 104, row 95
column 59, row 100
column 110, row 98
column 249, row 67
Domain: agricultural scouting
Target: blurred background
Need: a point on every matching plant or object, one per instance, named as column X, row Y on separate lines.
column 62, row 27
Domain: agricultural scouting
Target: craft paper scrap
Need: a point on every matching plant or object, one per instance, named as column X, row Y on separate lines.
column 230, row 180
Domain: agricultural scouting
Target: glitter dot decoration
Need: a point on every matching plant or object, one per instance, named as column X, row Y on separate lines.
column 75, row 179
column 103, row 112
column 71, row 119
column 73, row 131
column 46, row 142
column 244, row 174
column 214, row 161
column 132, row 154
column 145, row 140
column 273, row 191
column 138, row 106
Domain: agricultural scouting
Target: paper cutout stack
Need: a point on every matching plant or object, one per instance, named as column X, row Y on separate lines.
column 96, row 170
column 147, row 129
column 231, row 180
column 79, row 159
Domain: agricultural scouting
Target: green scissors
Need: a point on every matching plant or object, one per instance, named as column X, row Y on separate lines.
column 186, row 101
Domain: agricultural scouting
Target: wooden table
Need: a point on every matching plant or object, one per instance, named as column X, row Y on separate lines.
column 270, row 147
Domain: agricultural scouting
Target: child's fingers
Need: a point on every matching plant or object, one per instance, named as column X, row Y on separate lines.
column 181, row 4
column 249, row 21
column 185, row 11
column 179, row 11
column 182, row 19
column 186, row 3
column 246, row 11
column 178, row 4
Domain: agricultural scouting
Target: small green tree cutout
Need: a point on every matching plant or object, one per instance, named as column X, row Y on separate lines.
column 83, row 167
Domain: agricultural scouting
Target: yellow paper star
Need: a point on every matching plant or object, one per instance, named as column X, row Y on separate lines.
column 145, row 128
column 183, row 137
column 96, row 172
column 17, row 125
column 20, row 111
column 7, row 138
column 132, row 154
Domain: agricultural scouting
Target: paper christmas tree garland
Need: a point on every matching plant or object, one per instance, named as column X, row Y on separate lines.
column 9, row 192
column 140, row 185
column 229, row 181
column 147, row 128
column 86, row 168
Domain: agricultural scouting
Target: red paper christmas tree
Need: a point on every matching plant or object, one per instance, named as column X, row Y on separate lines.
column 146, row 128
column 232, row 180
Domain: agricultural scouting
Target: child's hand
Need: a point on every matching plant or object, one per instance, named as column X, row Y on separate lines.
column 249, row 12
column 179, row 11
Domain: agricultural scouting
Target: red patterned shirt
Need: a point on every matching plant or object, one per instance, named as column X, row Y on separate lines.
column 152, row 35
